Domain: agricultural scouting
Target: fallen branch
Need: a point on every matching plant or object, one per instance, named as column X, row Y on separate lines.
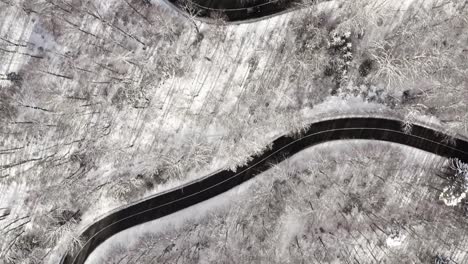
column 57, row 75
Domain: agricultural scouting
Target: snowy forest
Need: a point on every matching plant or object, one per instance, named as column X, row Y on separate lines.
column 103, row 103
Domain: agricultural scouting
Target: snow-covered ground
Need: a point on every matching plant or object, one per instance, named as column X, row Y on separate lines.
column 117, row 115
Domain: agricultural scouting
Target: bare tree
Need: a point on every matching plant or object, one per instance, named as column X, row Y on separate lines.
column 193, row 11
column 461, row 172
column 457, row 188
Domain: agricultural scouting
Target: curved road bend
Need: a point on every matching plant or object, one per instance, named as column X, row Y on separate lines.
column 234, row 11
column 281, row 148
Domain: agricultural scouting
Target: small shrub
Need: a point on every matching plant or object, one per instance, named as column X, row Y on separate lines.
column 329, row 71
column 457, row 175
column 340, row 50
column 366, row 67
column 407, row 127
column 441, row 259
column 464, row 207
column 409, row 96
column 340, row 42
column 15, row 78
column 147, row 182
column 28, row 242
column 62, row 217
column 460, row 170
column 159, row 176
column 130, row 96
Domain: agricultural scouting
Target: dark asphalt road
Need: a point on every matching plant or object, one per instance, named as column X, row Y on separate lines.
column 282, row 148
column 234, row 10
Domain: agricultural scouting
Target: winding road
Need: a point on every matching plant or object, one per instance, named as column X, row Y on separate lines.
column 232, row 11
column 282, row 148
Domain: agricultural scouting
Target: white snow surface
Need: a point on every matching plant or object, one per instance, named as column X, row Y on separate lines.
column 395, row 240
column 449, row 199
